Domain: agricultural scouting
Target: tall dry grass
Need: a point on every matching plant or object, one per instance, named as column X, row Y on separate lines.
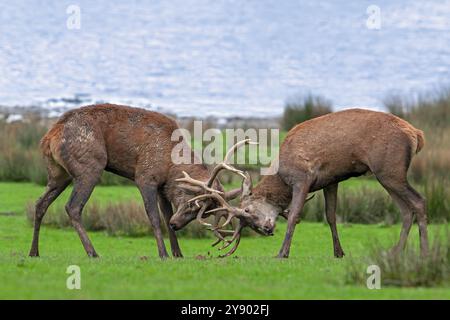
column 21, row 159
column 406, row 269
column 304, row 108
column 431, row 113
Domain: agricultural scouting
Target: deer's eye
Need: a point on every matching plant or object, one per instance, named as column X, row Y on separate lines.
column 247, row 210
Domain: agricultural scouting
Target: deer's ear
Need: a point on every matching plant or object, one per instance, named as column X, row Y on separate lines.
column 247, row 186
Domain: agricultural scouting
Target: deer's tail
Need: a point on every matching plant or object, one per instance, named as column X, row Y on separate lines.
column 420, row 140
column 45, row 146
column 46, row 142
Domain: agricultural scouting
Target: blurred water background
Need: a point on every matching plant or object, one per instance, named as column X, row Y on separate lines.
column 219, row 58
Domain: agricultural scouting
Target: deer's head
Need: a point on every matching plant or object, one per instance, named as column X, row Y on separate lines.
column 187, row 210
column 261, row 215
column 254, row 213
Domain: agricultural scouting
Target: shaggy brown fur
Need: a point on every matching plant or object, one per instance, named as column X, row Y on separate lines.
column 319, row 153
column 131, row 142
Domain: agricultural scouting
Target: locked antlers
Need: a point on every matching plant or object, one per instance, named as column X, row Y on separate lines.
column 207, row 186
column 217, row 197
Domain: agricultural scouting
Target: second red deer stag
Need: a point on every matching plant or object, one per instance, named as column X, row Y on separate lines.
column 319, row 153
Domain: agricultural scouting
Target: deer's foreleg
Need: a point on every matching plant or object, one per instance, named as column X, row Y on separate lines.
column 300, row 192
column 167, row 211
column 330, row 194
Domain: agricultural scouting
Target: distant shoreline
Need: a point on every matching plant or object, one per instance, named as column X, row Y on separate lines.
column 21, row 113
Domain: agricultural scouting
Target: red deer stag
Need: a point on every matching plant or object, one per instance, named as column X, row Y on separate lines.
column 319, row 153
column 133, row 143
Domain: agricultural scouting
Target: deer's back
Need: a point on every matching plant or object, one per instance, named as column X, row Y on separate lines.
column 129, row 140
column 343, row 144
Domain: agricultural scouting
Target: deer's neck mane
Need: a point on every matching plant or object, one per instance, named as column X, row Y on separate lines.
column 274, row 190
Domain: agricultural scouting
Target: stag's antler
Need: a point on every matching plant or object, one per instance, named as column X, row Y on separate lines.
column 218, row 231
column 214, row 194
column 225, row 206
column 224, row 164
column 187, row 178
column 221, row 234
column 236, row 239
column 208, row 185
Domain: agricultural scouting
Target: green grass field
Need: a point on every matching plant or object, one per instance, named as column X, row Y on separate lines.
column 130, row 269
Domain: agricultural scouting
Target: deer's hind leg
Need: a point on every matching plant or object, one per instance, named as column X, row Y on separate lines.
column 82, row 190
column 58, row 180
column 85, row 163
column 410, row 203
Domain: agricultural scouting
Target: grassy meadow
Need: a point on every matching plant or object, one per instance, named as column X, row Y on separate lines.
column 129, row 267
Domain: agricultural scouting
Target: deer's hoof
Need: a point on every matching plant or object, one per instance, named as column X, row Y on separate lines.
column 177, row 255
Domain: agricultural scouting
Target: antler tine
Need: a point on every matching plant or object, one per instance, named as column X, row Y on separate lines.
column 230, row 216
column 236, row 244
column 218, row 232
column 225, row 231
column 236, row 146
column 200, row 214
column 236, row 238
column 215, row 196
column 225, row 206
column 215, row 210
column 220, row 238
column 224, row 165
column 188, row 179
